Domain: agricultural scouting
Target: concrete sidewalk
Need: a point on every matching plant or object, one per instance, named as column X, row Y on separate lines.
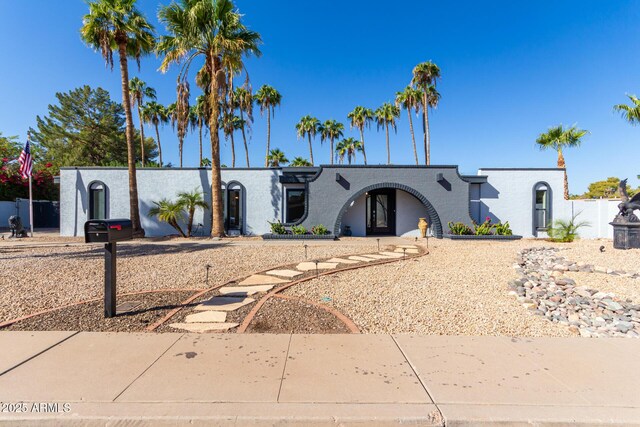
column 66, row 378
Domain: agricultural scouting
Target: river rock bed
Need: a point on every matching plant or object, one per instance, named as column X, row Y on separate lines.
column 544, row 289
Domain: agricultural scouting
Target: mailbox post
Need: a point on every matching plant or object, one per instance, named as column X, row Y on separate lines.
column 109, row 232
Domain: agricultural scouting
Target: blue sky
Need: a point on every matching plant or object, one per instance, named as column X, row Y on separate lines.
column 509, row 71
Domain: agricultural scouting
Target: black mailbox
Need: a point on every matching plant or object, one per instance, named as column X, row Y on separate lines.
column 107, row 230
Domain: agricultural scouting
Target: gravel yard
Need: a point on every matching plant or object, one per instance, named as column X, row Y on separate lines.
column 588, row 251
column 460, row 288
column 36, row 278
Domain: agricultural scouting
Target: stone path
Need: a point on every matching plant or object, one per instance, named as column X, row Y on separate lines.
column 213, row 312
column 543, row 289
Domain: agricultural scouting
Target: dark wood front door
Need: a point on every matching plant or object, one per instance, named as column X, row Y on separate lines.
column 381, row 212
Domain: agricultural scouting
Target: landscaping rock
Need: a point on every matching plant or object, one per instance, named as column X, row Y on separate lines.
column 544, row 290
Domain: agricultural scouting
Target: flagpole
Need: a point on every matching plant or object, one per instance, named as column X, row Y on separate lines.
column 30, row 206
column 30, row 194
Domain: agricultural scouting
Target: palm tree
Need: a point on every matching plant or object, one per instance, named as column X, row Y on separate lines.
column 190, row 201
column 331, row 130
column 201, row 113
column 117, row 24
column 169, row 212
column 213, row 29
column 243, row 101
column 276, row 158
column 308, row 126
column 386, row 116
column 138, row 90
column 558, row 138
column 268, row 99
column 229, row 124
column 630, row 113
column 426, row 75
column 300, row 162
column 409, row 99
column 156, row 114
column 361, row 117
column 349, row 147
column 174, row 117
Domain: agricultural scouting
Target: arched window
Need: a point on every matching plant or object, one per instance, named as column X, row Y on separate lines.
column 97, row 200
column 234, row 207
column 541, row 206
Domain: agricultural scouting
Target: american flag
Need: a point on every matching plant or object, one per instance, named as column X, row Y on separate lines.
column 26, row 161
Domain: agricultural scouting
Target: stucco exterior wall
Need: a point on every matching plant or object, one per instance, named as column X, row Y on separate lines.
column 328, row 198
column 508, row 196
column 408, row 211
column 262, row 196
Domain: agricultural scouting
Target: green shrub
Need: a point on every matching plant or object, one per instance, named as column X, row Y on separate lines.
column 298, row 229
column 503, row 229
column 483, row 229
column 459, row 229
column 565, row 231
column 277, row 228
column 319, row 230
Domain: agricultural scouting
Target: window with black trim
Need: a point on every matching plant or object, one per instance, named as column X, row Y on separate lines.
column 542, row 208
column 295, row 204
column 97, row 201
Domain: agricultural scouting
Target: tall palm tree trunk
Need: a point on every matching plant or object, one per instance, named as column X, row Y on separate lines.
column 233, row 151
column 388, row 151
column 141, row 134
column 134, row 212
column 159, row 146
column 244, row 139
column 364, row 153
column 190, row 223
column 331, row 159
column 266, row 157
column 217, row 220
column 180, row 144
column 425, row 129
column 413, row 135
column 310, row 150
column 562, row 164
column 200, row 139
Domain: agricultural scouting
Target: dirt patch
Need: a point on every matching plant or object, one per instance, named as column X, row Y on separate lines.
column 148, row 308
column 293, row 316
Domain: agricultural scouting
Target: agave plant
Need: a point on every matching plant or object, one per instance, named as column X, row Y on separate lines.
column 566, row 231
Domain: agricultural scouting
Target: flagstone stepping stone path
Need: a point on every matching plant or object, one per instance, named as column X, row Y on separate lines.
column 360, row 258
column 261, row 279
column 206, row 317
column 308, row 266
column 285, row 273
column 224, row 303
column 211, row 315
column 408, row 250
column 342, row 261
column 244, row 290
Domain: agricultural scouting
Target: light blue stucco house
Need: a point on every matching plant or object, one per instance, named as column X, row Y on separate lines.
column 370, row 200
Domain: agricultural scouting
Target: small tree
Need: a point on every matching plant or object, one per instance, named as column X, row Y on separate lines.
column 190, row 201
column 169, row 212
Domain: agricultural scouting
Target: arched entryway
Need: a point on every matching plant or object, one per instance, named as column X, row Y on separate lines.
column 385, row 208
